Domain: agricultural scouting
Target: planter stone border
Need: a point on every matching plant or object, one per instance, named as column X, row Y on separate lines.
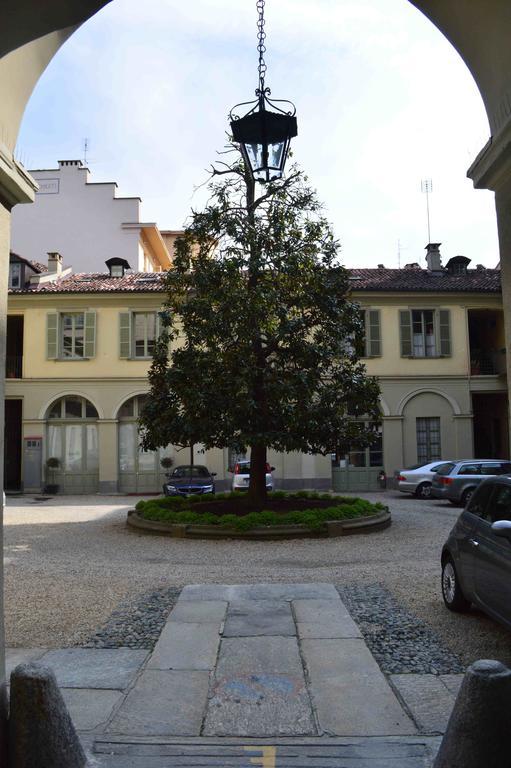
column 333, row 528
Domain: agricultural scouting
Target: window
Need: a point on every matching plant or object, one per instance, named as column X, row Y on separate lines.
column 70, row 335
column 15, row 274
column 470, row 469
column 500, row 505
column 138, row 332
column 371, row 342
column 428, row 439
column 479, row 501
column 425, row 332
column 72, row 434
column 144, row 333
column 364, row 457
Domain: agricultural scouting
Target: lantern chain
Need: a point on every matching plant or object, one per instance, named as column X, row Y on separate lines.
column 261, row 47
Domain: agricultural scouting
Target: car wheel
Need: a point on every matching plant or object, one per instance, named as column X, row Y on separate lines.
column 423, row 491
column 466, row 496
column 454, row 598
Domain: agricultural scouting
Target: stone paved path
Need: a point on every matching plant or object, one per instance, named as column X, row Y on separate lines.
column 276, row 665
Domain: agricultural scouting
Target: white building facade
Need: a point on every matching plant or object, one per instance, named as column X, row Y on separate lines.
column 86, row 223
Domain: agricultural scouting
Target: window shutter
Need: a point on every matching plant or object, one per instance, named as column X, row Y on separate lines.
column 405, row 326
column 125, row 334
column 373, row 335
column 444, row 323
column 52, row 335
column 89, row 347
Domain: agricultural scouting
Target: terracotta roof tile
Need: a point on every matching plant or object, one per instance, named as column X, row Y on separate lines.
column 422, row 281
column 361, row 280
column 91, row 282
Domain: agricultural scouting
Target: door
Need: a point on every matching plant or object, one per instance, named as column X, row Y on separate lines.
column 12, row 445
column 493, row 556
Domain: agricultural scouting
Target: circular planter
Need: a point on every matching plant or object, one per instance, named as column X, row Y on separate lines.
column 332, row 528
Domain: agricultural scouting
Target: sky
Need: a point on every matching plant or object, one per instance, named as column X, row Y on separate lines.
column 383, row 101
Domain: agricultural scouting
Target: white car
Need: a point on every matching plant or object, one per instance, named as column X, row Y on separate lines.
column 418, row 479
column 241, row 476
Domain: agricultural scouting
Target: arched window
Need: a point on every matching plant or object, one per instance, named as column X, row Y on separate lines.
column 139, row 471
column 72, row 437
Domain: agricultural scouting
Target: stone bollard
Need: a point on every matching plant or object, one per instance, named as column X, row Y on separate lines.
column 41, row 734
column 478, row 730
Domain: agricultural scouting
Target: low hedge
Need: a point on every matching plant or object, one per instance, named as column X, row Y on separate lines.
column 186, row 511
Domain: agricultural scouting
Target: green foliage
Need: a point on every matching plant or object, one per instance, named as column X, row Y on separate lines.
column 343, row 508
column 267, row 331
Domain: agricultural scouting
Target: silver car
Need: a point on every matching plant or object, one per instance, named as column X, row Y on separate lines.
column 476, row 558
column 418, row 479
column 457, row 480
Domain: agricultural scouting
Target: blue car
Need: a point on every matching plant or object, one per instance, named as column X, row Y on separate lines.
column 189, row 479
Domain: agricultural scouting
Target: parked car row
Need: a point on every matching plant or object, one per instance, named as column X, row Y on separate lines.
column 189, row 479
column 454, row 480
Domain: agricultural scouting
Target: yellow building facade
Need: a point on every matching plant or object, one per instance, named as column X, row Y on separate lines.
column 79, row 348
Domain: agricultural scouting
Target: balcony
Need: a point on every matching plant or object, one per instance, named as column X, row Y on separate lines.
column 14, row 366
column 487, row 362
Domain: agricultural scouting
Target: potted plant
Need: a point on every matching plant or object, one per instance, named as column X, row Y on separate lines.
column 52, row 464
column 167, row 463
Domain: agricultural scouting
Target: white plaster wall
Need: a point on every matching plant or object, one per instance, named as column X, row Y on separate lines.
column 80, row 220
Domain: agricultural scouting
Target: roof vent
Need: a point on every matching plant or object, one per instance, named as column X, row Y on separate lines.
column 381, row 266
column 117, row 266
column 458, row 265
column 413, row 265
column 148, row 279
column 481, row 268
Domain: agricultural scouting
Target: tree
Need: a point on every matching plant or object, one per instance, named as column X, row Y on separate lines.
column 263, row 332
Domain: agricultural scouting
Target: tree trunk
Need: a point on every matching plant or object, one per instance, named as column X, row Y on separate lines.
column 257, row 487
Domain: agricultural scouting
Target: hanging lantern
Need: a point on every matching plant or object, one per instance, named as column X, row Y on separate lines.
column 264, row 134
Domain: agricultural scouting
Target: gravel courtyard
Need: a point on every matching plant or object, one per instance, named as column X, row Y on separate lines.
column 71, row 561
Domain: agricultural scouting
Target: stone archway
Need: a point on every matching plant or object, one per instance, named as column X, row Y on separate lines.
column 478, row 29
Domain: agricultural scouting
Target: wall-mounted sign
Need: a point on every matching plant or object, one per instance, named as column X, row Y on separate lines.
column 48, row 186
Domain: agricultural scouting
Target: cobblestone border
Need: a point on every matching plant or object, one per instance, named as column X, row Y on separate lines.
column 136, row 623
column 399, row 641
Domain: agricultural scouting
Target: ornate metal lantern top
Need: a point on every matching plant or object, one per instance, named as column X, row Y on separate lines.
column 264, row 133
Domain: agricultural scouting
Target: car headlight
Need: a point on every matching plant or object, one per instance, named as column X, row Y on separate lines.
column 207, row 488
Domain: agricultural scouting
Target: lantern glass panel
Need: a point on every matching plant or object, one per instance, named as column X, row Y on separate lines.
column 255, row 155
column 275, row 153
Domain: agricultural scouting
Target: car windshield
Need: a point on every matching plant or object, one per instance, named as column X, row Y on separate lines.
column 445, row 469
column 189, row 471
column 242, row 468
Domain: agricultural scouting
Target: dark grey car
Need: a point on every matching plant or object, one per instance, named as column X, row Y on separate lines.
column 476, row 558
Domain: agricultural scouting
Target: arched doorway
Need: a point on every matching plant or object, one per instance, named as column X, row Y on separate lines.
column 139, row 471
column 72, row 438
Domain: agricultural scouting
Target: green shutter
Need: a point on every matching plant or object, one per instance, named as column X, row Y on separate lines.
column 52, row 335
column 124, row 334
column 405, row 327
column 444, row 323
column 373, row 335
column 89, row 347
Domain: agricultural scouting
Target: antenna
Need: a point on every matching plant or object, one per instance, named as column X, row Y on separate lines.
column 427, row 189
column 400, row 249
column 85, row 150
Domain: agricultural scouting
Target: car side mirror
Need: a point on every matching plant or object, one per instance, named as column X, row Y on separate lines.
column 502, row 528
column 213, row 474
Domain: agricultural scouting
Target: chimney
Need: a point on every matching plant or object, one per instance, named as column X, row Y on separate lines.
column 433, row 257
column 54, row 262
